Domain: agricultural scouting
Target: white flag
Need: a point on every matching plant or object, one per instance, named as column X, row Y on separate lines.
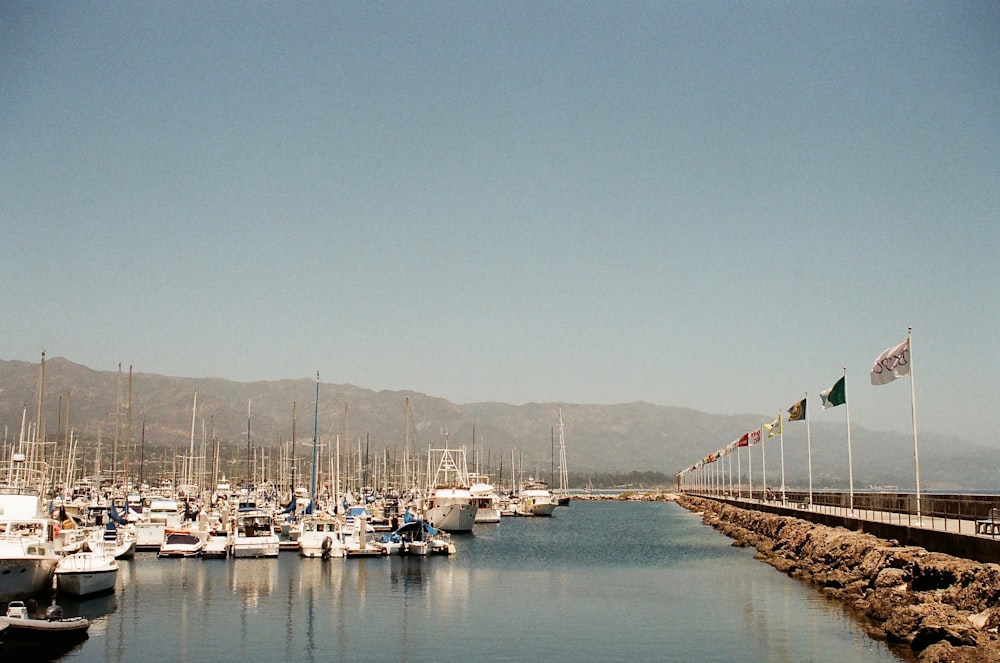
column 891, row 364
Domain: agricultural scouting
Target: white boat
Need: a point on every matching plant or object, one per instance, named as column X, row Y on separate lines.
column 252, row 535
column 93, row 570
column 181, row 543
column 28, row 555
column 449, row 504
column 535, row 499
column 162, row 514
column 54, row 625
column 321, row 536
column 487, row 502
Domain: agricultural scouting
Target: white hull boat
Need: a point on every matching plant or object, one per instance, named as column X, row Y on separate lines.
column 88, row 572
column 181, row 543
column 28, row 555
column 321, row 537
column 253, row 536
column 536, row 499
column 449, row 504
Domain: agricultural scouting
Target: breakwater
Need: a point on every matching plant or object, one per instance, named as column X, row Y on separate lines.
column 944, row 608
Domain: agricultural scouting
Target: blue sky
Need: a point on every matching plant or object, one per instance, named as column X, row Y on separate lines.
column 713, row 205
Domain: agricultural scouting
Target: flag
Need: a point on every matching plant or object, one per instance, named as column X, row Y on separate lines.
column 774, row 428
column 835, row 395
column 755, row 436
column 744, row 441
column 891, row 364
column 798, row 411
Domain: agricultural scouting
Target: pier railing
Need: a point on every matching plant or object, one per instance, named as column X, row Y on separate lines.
column 953, row 512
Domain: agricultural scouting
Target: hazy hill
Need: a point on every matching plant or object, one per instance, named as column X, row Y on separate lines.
column 599, row 438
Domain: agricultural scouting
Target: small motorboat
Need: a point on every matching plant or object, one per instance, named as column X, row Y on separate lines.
column 19, row 621
column 181, row 543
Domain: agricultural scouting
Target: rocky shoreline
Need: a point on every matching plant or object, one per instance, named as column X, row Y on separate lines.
column 943, row 608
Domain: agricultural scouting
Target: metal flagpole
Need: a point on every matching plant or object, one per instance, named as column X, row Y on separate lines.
column 913, row 410
column 750, row 462
column 850, row 461
column 809, row 452
column 739, row 472
column 781, row 443
column 763, row 459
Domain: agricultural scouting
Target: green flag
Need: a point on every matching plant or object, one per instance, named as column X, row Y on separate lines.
column 835, row 395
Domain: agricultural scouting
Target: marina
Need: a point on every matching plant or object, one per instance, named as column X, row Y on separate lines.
column 598, row 580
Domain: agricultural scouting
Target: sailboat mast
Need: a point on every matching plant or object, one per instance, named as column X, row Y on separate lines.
column 312, row 483
column 188, row 479
column 249, row 474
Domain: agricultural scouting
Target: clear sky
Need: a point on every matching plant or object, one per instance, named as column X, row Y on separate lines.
column 715, row 205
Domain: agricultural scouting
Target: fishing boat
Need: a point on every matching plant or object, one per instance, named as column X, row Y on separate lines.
column 92, row 570
column 449, row 504
column 19, row 621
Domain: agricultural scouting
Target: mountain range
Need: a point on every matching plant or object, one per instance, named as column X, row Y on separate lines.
column 616, row 438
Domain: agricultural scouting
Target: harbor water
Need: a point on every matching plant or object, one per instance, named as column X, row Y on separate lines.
column 599, row 581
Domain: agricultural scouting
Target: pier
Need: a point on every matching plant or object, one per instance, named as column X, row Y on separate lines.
column 963, row 525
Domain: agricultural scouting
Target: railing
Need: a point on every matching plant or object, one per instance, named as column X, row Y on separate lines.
column 955, row 512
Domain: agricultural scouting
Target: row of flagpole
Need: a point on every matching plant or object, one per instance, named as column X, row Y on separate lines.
column 893, row 363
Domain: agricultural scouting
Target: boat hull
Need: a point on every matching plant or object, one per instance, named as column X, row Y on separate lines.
column 247, row 547
column 21, row 577
column 86, row 583
column 451, row 515
column 73, row 627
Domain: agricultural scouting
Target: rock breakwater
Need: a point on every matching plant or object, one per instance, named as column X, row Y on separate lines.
column 943, row 608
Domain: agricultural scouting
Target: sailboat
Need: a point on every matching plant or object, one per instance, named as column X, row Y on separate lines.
column 562, row 493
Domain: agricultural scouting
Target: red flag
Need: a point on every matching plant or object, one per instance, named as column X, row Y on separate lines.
column 744, row 441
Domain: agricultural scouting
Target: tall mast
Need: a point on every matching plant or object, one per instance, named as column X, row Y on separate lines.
column 312, row 483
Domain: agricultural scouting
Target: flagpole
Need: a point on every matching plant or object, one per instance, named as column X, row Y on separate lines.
column 850, row 460
column 739, row 473
column 781, row 443
column 763, row 460
column 750, row 461
column 809, row 453
column 913, row 411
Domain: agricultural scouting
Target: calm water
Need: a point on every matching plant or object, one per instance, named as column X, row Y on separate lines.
column 600, row 581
